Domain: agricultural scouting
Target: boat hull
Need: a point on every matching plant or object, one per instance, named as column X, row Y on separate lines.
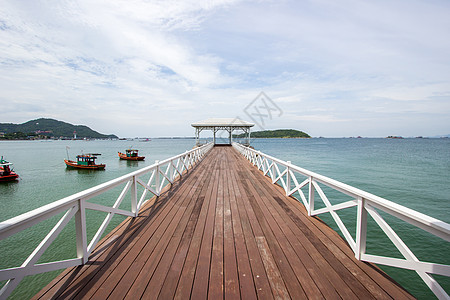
column 11, row 177
column 73, row 164
column 134, row 158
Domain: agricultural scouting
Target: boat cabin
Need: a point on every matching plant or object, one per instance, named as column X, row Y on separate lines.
column 86, row 159
column 6, row 173
column 132, row 152
column 5, row 169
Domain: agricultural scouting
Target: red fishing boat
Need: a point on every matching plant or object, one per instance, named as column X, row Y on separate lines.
column 86, row 162
column 6, row 173
column 131, row 154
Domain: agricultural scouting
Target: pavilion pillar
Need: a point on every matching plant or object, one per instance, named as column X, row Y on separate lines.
column 214, row 135
column 230, row 132
column 196, row 136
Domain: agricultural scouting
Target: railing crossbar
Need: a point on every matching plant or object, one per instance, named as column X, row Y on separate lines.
column 335, row 216
column 348, row 204
column 75, row 207
column 146, row 189
column 366, row 204
column 297, row 186
column 280, row 176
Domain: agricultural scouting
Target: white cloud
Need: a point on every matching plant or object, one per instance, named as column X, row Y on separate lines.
column 140, row 64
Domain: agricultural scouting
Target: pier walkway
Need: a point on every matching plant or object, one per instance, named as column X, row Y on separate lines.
column 223, row 231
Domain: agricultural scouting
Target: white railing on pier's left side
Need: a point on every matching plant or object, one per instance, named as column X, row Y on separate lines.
column 159, row 175
column 286, row 175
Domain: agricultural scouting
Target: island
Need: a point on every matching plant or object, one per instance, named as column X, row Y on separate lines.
column 48, row 129
column 279, row 133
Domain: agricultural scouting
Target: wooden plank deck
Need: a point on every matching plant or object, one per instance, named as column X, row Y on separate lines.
column 224, row 231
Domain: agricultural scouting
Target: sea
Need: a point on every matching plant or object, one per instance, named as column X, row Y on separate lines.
column 413, row 172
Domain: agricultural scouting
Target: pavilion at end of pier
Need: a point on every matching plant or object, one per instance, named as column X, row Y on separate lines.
column 218, row 124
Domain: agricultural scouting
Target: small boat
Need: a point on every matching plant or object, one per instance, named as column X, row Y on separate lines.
column 86, row 162
column 6, row 173
column 131, row 154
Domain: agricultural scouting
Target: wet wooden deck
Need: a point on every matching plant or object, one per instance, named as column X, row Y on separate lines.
column 223, row 232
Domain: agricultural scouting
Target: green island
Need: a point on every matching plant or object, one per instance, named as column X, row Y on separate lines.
column 48, row 129
column 279, row 133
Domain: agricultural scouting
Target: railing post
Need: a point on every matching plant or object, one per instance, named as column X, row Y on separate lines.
column 171, row 171
column 311, row 196
column 157, row 188
column 134, row 209
column 186, row 160
column 81, row 236
column 274, row 176
column 361, row 228
column 288, row 178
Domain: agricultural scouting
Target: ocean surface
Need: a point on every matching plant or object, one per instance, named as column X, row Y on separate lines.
column 411, row 172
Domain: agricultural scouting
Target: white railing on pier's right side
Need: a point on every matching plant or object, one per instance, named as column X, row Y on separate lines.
column 284, row 174
column 151, row 179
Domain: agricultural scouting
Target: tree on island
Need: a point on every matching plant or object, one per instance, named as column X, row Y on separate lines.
column 49, row 128
column 279, row 133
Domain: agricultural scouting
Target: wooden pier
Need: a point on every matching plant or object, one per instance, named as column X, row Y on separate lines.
column 223, row 231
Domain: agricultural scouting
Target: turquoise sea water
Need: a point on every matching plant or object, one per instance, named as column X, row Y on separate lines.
column 411, row 172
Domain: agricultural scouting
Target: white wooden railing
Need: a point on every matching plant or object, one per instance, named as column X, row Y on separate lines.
column 285, row 174
column 75, row 206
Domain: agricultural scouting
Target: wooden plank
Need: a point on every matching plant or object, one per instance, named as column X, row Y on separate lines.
column 104, row 249
column 322, row 273
column 122, row 262
column 231, row 279
column 343, row 273
column 295, row 284
column 223, row 231
column 282, row 278
column 259, row 275
column 351, row 265
column 349, row 262
column 154, row 271
column 191, row 265
column 374, row 280
column 81, row 275
column 215, row 287
column 201, row 278
column 145, row 263
column 304, row 263
column 246, row 284
column 190, row 237
column 178, row 245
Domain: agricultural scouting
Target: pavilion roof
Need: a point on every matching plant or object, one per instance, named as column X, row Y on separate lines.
column 223, row 122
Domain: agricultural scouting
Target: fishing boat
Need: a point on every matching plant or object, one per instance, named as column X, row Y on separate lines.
column 131, row 154
column 6, row 173
column 86, row 162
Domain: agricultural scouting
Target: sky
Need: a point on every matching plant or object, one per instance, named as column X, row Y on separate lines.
column 151, row 68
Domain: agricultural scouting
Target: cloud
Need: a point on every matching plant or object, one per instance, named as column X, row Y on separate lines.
column 127, row 67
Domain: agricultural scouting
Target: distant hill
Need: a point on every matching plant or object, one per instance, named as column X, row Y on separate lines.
column 51, row 128
column 279, row 133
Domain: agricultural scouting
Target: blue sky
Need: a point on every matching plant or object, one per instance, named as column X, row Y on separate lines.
column 151, row 68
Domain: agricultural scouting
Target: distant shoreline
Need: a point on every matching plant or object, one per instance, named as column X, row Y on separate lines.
column 234, row 138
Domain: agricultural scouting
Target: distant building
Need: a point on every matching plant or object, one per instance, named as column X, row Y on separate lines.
column 43, row 131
